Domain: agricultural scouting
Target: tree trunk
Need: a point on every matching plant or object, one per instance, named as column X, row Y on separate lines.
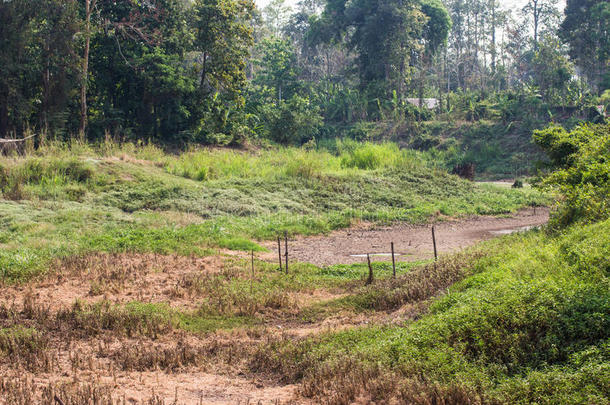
column 203, row 70
column 85, row 72
column 536, row 21
column 493, row 37
column 3, row 113
column 46, row 89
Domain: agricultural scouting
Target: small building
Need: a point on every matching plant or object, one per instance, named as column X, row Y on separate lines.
column 429, row 103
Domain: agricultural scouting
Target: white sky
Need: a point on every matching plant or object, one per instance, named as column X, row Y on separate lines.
column 509, row 4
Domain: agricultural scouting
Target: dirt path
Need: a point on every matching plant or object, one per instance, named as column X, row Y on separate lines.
column 410, row 242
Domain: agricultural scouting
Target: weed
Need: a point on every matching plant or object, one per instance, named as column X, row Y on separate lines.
column 528, row 321
column 26, row 347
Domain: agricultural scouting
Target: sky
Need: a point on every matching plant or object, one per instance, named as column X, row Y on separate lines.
column 510, row 4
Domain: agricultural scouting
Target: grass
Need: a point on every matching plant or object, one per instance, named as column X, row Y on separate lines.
column 62, row 200
column 25, row 346
column 522, row 319
column 530, row 324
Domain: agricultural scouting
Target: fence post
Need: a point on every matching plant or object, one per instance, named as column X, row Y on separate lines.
column 286, row 250
column 252, row 276
column 434, row 244
column 393, row 261
column 370, row 279
column 279, row 251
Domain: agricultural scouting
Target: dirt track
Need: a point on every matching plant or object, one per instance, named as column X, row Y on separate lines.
column 410, row 242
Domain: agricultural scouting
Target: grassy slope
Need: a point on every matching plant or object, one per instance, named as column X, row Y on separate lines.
column 531, row 325
column 65, row 201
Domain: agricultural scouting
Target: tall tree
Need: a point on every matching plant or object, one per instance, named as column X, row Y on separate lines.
column 89, row 6
column 223, row 38
column 434, row 34
column 57, row 24
column 383, row 34
column 278, row 68
column 542, row 15
column 586, row 28
column 16, row 64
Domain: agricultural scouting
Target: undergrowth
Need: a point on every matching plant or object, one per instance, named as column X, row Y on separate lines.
column 529, row 325
column 61, row 201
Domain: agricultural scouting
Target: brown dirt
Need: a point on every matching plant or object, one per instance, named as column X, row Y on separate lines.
column 220, row 375
column 119, row 278
column 411, row 242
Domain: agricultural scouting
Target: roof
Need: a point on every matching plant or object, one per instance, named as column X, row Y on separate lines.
column 429, row 103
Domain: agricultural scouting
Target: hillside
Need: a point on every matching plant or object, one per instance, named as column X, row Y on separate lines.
column 61, row 202
column 132, row 273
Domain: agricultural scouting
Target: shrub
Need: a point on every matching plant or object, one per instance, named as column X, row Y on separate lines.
column 583, row 171
column 518, row 184
column 293, row 122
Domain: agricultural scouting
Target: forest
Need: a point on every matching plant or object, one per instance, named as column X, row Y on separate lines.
column 213, row 72
column 315, row 202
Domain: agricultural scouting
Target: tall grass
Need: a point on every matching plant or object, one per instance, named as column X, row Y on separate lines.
column 61, row 200
column 348, row 157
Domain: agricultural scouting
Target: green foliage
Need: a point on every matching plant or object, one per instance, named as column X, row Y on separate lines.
column 382, row 33
column 583, row 171
column 585, row 28
column 552, row 71
column 278, row 69
column 137, row 199
column 530, row 324
column 369, row 156
column 292, row 122
column 47, row 177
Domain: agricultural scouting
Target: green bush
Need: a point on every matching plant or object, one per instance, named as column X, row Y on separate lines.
column 582, row 174
column 293, row 122
column 531, row 325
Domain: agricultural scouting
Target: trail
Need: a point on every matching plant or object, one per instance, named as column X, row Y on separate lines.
column 411, row 242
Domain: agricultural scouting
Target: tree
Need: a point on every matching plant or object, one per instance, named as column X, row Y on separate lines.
column 223, row 38
column 16, row 64
column 586, row 28
column 541, row 14
column 57, row 24
column 38, row 63
column 89, row 6
column 278, row 69
column 383, row 34
column 435, row 35
column 551, row 70
column 275, row 17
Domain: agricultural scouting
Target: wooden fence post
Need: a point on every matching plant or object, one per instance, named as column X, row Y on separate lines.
column 370, row 279
column 286, row 250
column 279, row 251
column 434, row 244
column 393, row 261
column 252, row 276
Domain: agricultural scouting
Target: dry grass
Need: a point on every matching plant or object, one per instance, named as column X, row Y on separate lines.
column 24, row 391
column 26, row 347
column 418, row 285
column 139, row 356
column 349, row 381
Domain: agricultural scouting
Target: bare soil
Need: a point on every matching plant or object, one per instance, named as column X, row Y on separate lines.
column 217, row 373
column 119, row 278
column 411, row 242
